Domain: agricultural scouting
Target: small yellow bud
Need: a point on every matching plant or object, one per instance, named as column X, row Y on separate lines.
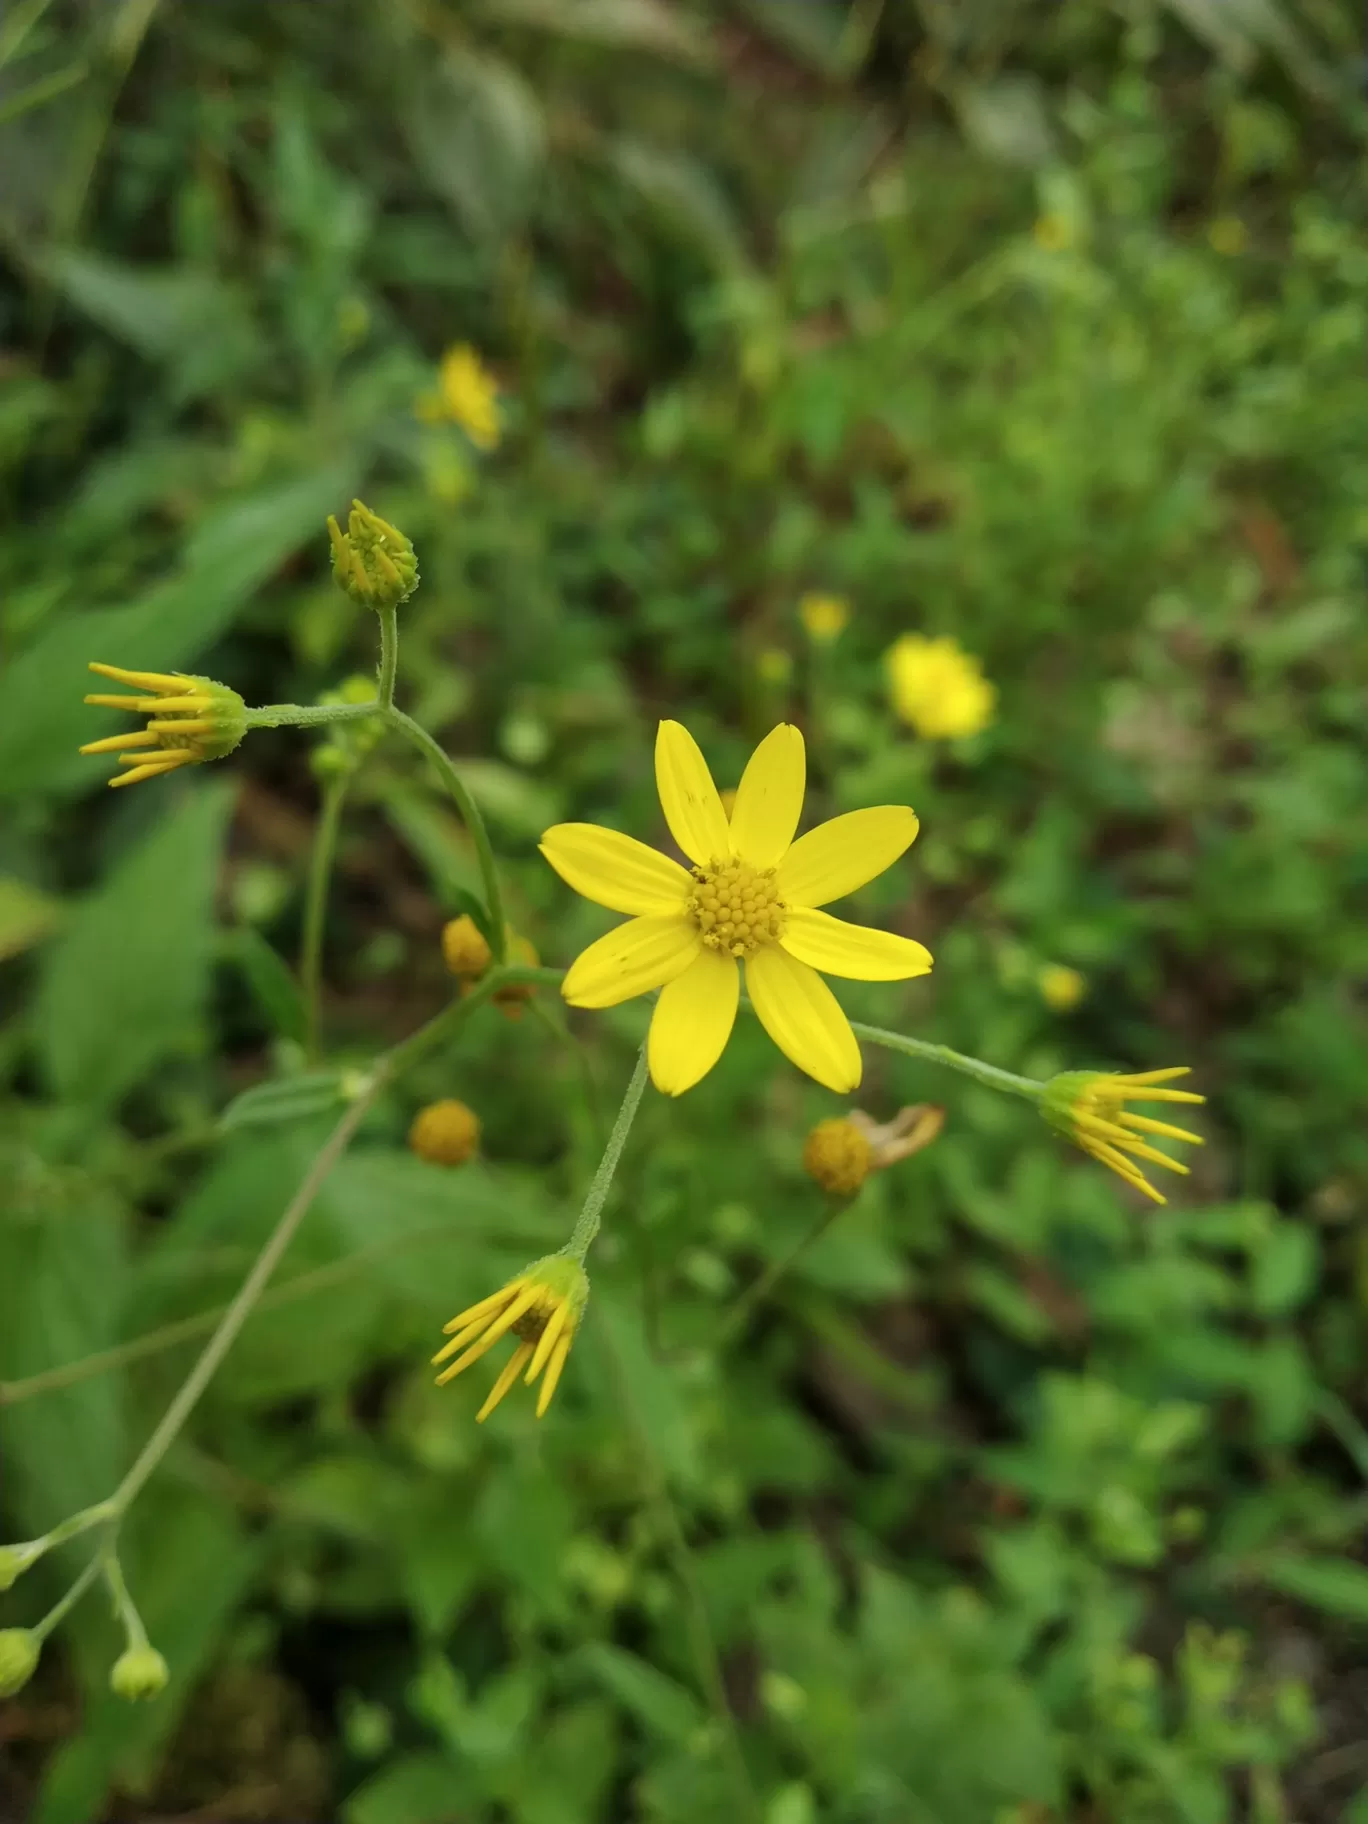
column 464, row 947
column 138, row 1673
column 838, row 1157
column 445, row 1133
column 372, row 560
column 1061, row 987
column 20, row 1649
column 824, row 617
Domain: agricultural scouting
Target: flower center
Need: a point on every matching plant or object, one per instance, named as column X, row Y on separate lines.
column 736, row 907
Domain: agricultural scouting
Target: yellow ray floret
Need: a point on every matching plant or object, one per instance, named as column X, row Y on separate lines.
column 751, row 899
column 193, row 719
column 542, row 1307
column 1090, row 1108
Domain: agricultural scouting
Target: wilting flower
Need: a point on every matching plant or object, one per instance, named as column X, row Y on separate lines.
column 1089, row 1106
column 542, row 1306
column 840, row 1154
column 467, row 394
column 445, row 1133
column 752, row 897
column 824, row 617
column 937, row 688
column 193, row 719
column 1061, row 987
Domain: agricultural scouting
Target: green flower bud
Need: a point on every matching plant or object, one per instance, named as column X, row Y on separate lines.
column 372, row 560
column 16, row 1559
column 20, row 1649
column 192, row 719
column 138, row 1673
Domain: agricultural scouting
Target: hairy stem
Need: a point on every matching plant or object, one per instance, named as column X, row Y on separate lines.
column 587, row 1223
column 988, row 1074
column 389, row 655
column 315, row 908
column 309, row 715
column 760, row 1289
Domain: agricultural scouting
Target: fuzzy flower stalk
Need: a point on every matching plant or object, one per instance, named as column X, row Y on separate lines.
column 192, row 720
column 542, row 1307
column 1089, row 1108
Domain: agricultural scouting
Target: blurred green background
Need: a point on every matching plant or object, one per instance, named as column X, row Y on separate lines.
column 1036, row 323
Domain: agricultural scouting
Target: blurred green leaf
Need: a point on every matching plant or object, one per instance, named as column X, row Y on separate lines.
column 1339, row 1586
column 26, row 916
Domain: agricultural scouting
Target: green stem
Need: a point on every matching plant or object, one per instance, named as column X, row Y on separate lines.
column 389, row 655
column 58, row 1613
column 472, row 818
column 134, row 1631
column 760, row 1290
column 587, row 1224
column 309, row 715
column 988, row 1074
column 315, row 908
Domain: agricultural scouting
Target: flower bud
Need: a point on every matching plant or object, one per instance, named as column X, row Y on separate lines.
column 445, row 1133
column 138, row 1673
column 464, row 947
column 16, row 1559
column 192, row 719
column 372, row 560
column 20, row 1649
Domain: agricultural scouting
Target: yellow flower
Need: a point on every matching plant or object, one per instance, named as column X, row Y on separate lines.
column 193, row 719
column 468, row 394
column 542, row 1306
column 824, row 617
column 1089, row 1106
column 839, row 1155
column 938, row 688
column 751, row 895
column 445, row 1133
column 1061, row 987
column 464, row 947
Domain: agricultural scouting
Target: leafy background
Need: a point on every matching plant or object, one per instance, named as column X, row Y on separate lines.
column 1040, row 324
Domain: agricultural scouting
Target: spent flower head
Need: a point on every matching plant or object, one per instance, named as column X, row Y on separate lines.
column 372, row 560
column 192, row 720
column 1089, row 1106
column 138, row 1673
column 840, row 1154
column 465, row 948
column 445, row 1133
column 20, row 1651
column 938, row 688
column 542, row 1306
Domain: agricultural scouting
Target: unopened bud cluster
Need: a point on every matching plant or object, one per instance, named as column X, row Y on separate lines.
column 372, row 560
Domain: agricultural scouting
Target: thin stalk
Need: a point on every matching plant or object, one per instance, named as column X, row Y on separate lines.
column 756, row 1293
column 315, row 908
column 134, row 1631
column 389, row 655
column 587, row 1223
column 309, row 715
column 59, row 1611
column 989, row 1074
column 470, row 816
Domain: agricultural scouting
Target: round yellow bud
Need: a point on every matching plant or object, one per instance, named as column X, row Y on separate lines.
column 1061, row 987
column 464, row 947
column 20, row 1649
column 445, row 1133
column 139, row 1673
column 838, row 1157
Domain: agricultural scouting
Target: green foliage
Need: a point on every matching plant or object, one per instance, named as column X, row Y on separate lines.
column 1040, row 326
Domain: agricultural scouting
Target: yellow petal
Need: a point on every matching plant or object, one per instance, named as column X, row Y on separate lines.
column 835, row 947
column 688, row 796
column 511, row 1370
column 769, row 799
column 692, row 1022
column 803, row 1017
column 839, row 856
column 615, row 870
column 553, row 1373
column 547, row 1340
column 644, row 953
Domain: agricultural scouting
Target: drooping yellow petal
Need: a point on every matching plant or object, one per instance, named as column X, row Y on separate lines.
column 112, row 743
column 553, row 1373
column 505, row 1321
column 615, row 870
column 165, row 682
column 512, row 1368
column 547, row 1340
column 804, row 1018
column 644, row 953
column 688, row 796
column 856, row 951
column 153, row 769
column 839, row 856
column 692, row 1022
column 769, row 799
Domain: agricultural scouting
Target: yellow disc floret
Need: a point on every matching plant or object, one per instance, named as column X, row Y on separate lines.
column 736, row 907
column 445, row 1133
column 838, row 1156
column 465, row 948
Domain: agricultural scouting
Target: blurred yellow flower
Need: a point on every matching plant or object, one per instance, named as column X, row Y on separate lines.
column 1089, row 1106
column 193, row 720
column 1061, row 987
column 467, row 394
column 542, row 1306
column 751, row 896
column 939, row 689
column 824, row 616
column 1053, row 231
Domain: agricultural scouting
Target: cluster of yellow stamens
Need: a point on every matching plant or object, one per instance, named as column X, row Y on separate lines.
column 193, row 719
column 736, row 907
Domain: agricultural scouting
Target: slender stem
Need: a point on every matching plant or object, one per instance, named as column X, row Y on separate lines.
column 309, row 715
column 1005, row 1080
column 389, row 655
column 58, row 1613
column 315, row 907
column 134, row 1630
column 587, row 1223
column 472, row 818
column 761, row 1288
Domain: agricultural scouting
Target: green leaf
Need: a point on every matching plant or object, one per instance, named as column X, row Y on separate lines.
column 26, row 915
column 425, row 1788
column 270, row 979
column 660, row 1703
column 301, row 1098
column 126, row 982
column 1337, row 1585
